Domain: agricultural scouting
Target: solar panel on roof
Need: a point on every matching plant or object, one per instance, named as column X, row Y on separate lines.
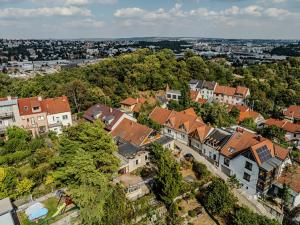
column 264, row 153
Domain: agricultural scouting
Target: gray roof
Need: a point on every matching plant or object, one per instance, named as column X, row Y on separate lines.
column 177, row 92
column 6, row 219
column 271, row 164
column 126, row 149
column 206, row 84
column 5, row 206
column 194, row 81
column 164, row 140
column 218, row 138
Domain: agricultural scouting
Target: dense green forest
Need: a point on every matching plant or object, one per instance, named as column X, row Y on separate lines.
column 273, row 86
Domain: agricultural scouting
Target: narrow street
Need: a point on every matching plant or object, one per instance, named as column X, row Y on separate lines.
column 242, row 197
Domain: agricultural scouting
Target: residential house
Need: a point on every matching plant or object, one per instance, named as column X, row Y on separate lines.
column 255, row 161
column 230, row 95
column 195, row 95
column 198, row 137
column 109, row 116
column 33, row 115
column 9, row 113
column 177, row 125
column 173, row 95
column 213, row 143
column 166, row 142
column 292, row 130
column 132, row 105
column 131, row 156
column 6, row 212
column 206, row 88
column 289, row 177
column 58, row 113
column 134, row 132
column 292, row 113
column 257, row 117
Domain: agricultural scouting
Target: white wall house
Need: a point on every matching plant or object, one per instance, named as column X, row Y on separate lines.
column 9, row 113
column 173, row 95
column 56, row 122
column 206, row 88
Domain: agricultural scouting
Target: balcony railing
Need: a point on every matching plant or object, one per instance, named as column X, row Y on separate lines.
column 4, row 115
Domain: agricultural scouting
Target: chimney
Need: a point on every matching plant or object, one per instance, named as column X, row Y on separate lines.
column 40, row 98
column 259, row 137
column 240, row 130
column 110, row 110
column 8, row 97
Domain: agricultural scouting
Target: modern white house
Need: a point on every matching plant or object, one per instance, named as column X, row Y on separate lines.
column 58, row 113
column 206, row 88
column 255, row 161
column 173, row 95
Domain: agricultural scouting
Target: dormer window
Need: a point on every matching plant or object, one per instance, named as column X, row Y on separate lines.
column 36, row 108
column 26, row 108
column 231, row 150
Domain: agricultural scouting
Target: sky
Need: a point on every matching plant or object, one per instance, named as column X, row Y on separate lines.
column 263, row 19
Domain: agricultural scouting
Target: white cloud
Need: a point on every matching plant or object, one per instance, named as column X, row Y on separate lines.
column 41, row 12
column 252, row 10
column 275, row 12
column 129, row 12
column 85, row 23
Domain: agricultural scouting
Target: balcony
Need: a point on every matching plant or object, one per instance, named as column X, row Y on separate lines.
column 58, row 124
column 6, row 115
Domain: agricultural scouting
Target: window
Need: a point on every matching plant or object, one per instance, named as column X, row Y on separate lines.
column 65, row 117
column 226, row 161
column 0, row 122
column 169, row 131
column 146, row 157
column 247, row 177
column 36, row 108
column 174, row 97
column 25, row 108
column 40, row 118
column 169, row 95
column 182, row 136
column 32, row 120
column 137, row 162
column 248, row 166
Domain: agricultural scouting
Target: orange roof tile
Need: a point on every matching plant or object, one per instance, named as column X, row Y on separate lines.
column 248, row 114
column 26, row 105
column 132, row 132
column 201, row 132
column 293, row 111
column 56, row 105
column 186, row 120
column 242, row 91
column 238, row 143
column 281, row 152
column 133, row 101
column 291, row 177
column 266, row 143
column 230, row 91
column 241, row 108
column 284, row 124
column 194, row 95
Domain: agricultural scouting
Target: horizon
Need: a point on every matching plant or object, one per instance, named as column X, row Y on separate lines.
column 116, row 19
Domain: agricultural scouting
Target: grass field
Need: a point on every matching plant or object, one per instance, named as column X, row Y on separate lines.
column 50, row 204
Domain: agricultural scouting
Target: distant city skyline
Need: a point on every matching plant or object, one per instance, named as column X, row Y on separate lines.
column 73, row 19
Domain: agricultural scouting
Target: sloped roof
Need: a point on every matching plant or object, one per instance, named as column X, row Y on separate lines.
column 193, row 95
column 133, row 101
column 203, row 84
column 56, row 105
column 102, row 112
column 230, row 91
column 202, row 131
column 291, row 177
column 186, row 120
column 284, row 124
column 217, row 138
column 262, row 144
column 241, row 108
column 132, row 132
column 248, row 114
column 242, row 91
column 26, row 105
column 280, row 152
column 293, row 111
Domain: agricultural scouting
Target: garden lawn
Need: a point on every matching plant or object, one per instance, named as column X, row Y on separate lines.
column 50, row 204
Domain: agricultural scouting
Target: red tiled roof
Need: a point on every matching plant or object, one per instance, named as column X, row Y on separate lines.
column 248, row 114
column 280, row 152
column 56, row 105
column 132, row 132
column 187, row 119
column 202, row 132
column 293, row 111
column 241, row 108
column 238, row 143
column 194, row 95
column 284, row 124
column 242, row 90
column 133, row 101
column 230, row 91
column 266, row 143
column 291, row 177
column 202, row 100
column 26, row 105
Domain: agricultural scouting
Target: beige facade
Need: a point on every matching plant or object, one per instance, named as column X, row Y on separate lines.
column 35, row 123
